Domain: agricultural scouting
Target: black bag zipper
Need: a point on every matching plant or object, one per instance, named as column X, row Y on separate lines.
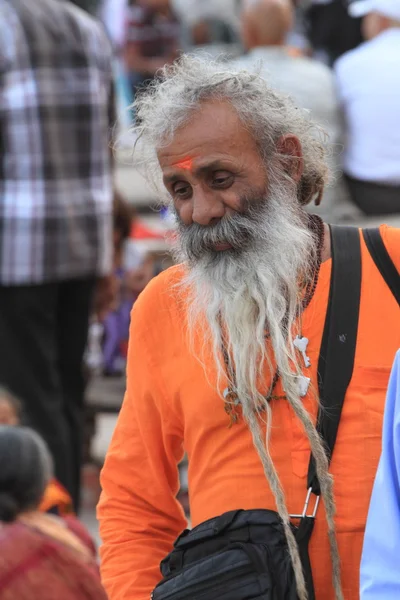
column 222, row 580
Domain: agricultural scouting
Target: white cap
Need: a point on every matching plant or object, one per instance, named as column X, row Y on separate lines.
column 386, row 8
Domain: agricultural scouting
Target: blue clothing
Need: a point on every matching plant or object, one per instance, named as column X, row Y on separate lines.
column 380, row 565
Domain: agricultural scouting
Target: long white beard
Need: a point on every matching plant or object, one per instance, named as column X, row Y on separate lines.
column 239, row 294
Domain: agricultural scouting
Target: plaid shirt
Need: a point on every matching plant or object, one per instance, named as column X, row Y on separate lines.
column 55, row 171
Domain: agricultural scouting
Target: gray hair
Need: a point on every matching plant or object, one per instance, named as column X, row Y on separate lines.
column 170, row 100
column 26, row 468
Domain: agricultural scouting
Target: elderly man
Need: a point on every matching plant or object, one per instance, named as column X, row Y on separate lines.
column 224, row 349
column 265, row 28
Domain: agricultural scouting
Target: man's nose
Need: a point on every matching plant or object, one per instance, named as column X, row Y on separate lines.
column 207, row 207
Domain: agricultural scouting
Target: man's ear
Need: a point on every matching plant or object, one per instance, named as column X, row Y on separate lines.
column 291, row 154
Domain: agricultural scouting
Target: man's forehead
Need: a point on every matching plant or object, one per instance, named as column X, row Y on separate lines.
column 198, row 165
column 186, row 163
column 213, row 119
column 214, row 129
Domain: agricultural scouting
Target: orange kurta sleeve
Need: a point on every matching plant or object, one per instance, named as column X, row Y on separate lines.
column 138, row 511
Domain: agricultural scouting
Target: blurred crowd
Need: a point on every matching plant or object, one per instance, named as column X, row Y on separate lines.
column 70, row 264
column 320, row 52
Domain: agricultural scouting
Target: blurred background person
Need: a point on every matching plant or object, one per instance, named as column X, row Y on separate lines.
column 368, row 84
column 211, row 26
column 56, row 99
column 41, row 558
column 330, row 28
column 152, row 39
column 210, row 21
column 298, row 36
column 56, row 499
column 265, row 28
column 116, row 321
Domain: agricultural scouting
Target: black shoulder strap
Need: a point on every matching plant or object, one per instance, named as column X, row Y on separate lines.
column 339, row 340
column 381, row 257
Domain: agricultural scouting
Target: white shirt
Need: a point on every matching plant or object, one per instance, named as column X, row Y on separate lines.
column 368, row 80
column 311, row 85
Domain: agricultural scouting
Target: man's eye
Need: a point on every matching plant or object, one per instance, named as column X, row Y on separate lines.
column 222, row 179
column 181, row 190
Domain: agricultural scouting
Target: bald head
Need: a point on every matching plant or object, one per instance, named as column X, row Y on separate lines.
column 266, row 22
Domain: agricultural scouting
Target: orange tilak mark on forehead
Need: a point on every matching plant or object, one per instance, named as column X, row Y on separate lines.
column 186, row 163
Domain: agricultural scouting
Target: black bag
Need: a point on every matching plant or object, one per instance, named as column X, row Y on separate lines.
column 243, row 554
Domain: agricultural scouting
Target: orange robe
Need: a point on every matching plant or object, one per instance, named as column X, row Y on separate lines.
column 170, row 407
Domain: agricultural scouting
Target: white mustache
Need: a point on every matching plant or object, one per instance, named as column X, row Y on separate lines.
column 239, row 231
